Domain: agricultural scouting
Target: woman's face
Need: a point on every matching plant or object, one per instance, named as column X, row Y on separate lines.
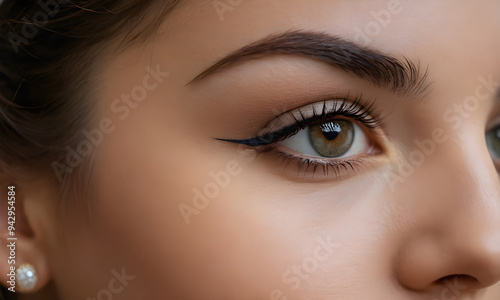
column 343, row 155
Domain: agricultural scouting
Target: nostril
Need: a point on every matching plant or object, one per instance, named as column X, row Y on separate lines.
column 459, row 281
column 456, row 277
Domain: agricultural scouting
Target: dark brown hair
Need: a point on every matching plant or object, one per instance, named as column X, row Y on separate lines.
column 48, row 50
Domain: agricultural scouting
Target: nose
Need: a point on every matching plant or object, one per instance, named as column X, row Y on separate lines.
column 451, row 243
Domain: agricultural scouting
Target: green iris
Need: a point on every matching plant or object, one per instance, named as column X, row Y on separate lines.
column 493, row 142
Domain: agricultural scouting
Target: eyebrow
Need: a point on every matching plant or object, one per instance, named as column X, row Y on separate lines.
column 400, row 76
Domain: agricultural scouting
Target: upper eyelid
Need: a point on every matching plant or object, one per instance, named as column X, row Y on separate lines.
column 331, row 106
column 492, row 124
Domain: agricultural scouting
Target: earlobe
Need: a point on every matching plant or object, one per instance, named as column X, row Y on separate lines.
column 31, row 269
column 24, row 267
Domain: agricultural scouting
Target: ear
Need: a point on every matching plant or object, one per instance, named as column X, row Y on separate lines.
column 23, row 210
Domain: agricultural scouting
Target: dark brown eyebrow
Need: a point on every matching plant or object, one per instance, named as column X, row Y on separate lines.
column 402, row 77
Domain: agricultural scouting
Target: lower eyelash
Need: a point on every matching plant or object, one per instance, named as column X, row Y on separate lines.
column 338, row 169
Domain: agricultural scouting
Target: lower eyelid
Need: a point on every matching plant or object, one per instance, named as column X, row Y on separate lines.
column 309, row 168
column 313, row 169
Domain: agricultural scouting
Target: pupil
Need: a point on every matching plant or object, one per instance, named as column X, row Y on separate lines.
column 331, row 130
column 330, row 135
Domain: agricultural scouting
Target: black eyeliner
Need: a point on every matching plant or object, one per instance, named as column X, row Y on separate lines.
column 347, row 108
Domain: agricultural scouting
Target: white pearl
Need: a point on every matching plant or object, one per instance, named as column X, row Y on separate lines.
column 26, row 277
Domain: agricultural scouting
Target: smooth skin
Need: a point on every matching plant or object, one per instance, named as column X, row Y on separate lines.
column 261, row 231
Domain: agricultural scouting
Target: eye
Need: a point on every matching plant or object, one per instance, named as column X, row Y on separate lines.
column 322, row 140
column 493, row 142
column 332, row 139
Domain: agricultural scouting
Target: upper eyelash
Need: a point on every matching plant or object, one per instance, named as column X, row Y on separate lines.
column 357, row 110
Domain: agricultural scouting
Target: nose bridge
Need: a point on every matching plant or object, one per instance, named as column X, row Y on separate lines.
column 457, row 177
column 460, row 195
column 454, row 200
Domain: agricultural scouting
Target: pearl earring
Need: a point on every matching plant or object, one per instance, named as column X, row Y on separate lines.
column 26, row 277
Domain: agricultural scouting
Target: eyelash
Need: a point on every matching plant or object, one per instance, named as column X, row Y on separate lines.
column 304, row 164
column 358, row 110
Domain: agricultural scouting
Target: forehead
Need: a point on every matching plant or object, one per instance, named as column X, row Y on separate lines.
column 435, row 32
column 362, row 20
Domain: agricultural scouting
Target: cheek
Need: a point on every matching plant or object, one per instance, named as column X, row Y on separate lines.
column 493, row 293
column 171, row 208
column 198, row 214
